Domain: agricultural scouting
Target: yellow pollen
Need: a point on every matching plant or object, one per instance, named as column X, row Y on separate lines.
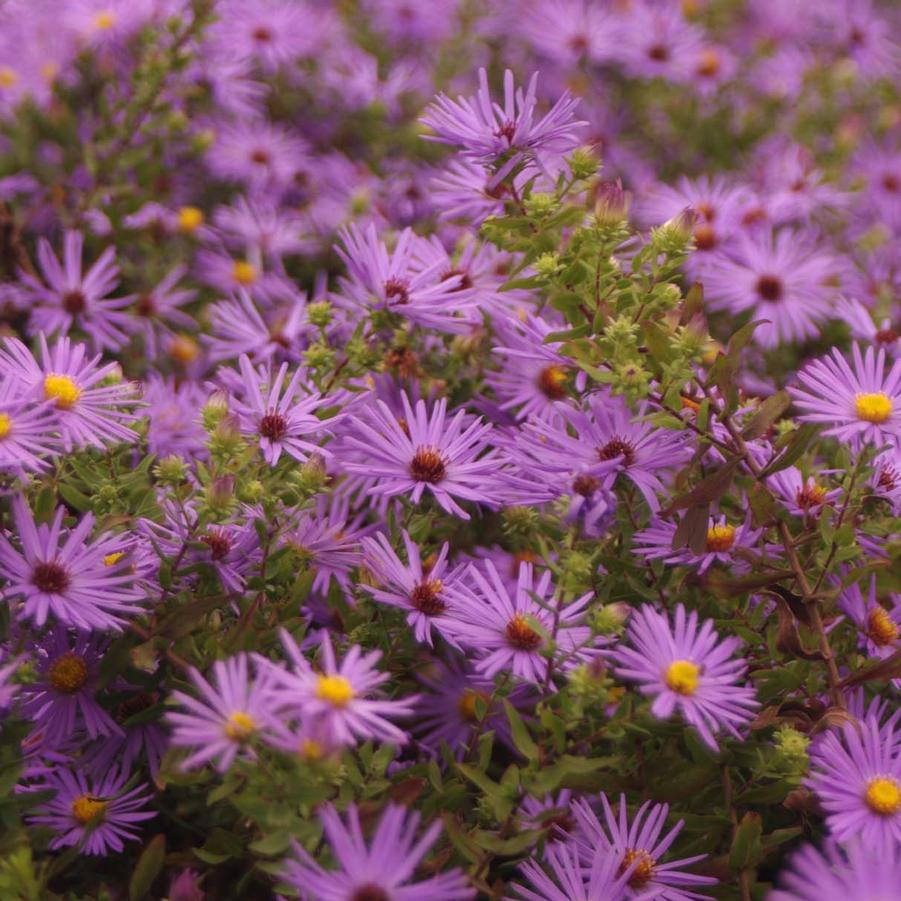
column 6, row 425
column 114, row 558
column 183, row 349
column 873, row 407
column 244, row 273
column 8, row 77
column 881, row 628
column 68, row 674
column 190, row 218
column 104, row 20
column 467, row 704
column 720, row 538
column 49, row 71
column 240, row 726
column 883, row 796
column 682, row 677
column 62, row 389
column 311, row 750
column 85, row 809
column 644, row 867
column 335, row 689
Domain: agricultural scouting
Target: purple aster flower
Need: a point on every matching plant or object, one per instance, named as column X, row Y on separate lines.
column 425, row 293
column 687, row 667
column 551, row 813
column 338, row 696
column 158, row 309
column 95, row 813
column 67, row 298
column 237, row 327
column 801, row 497
column 262, row 229
column 533, row 375
column 426, row 593
column 425, row 452
column 638, row 845
column 856, row 773
column 861, row 405
column 724, row 540
column 87, row 412
column 885, row 481
column 865, row 330
column 600, row 881
column 782, row 277
column 174, row 425
column 607, row 440
column 879, row 628
column 854, row 872
column 504, row 136
column 27, row 432
column 328, row 541
column 377, row 871
column 62, row 702
column 511, row 628
column 272, row 32
column 465, row 191
column 260, row 154
column 567, row 31
column 85, row 584
column 449, row 711
column 280, row 414
column 223, row 722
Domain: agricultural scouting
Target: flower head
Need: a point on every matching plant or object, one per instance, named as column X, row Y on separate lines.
column 686, row 667
column 861, row 402
column 94, row 812
column 228, row 716
column 380, row 870
column 425, row 452
column 87, row 584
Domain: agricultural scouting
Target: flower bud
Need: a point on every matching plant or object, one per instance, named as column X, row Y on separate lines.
column 611, row 203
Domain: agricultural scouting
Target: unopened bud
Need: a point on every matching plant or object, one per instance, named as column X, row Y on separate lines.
column 611, row 203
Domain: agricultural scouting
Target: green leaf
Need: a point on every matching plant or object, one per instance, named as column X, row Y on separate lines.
column 521, row 737
column 767, row 413
column 709, row 489
column 801, row 438
column 148, row 867
column 746, row 849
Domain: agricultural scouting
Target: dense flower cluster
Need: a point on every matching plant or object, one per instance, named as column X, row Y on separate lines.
column 450, row 450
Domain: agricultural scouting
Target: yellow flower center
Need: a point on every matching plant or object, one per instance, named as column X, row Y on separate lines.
column 467, row 704
column 883, row 796
column 335, row 689
column 311, row 750
column 240, row 726
column 85, row 809
column 6, row 425
column 720, row 538
column 190, row 218
column 552, row 382
column 881, row 628
column 682, row 677
column 8, row 77
column 104, row 20
column 114, row 558
column 49, row 71
column 183, row 349
column 873, row 407
column 644, row 867
column 244, row 273
column 62, row 389
column 68, row 674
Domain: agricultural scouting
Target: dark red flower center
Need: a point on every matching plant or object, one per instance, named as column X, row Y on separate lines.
column 260, row 157
column 578, row 43
column 616, row 447
column 891, row 183
column 769, row 287
column 262, row 33
column 146, row 305
column 219, row 544
column 465, row 280
column 507, row 130
column 705, row 237
column 50, row 577
column 585, row 485
column 659, row 53
column 273, row 426
column 137, row 703
column 425, row 597
column 889, row 478
column 886, row 336
column 396, row 291
column 74, row 302
column 520, row 635
column 427, row 466
column 370, row 892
